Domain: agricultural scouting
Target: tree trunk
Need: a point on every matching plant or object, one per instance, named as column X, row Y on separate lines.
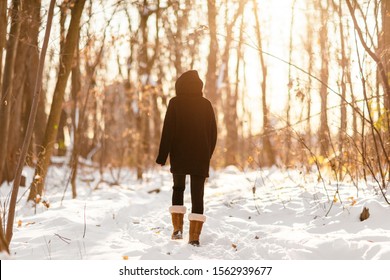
column 3, row 243
column 7, row 86
column 60, row 139
column 344, row 73
column 211, row 76
column 145, row 96
column 268, row 149
column 230, row 107
column 155, row 116
column 77, row 134
column 23, row 81
column 177, row 38
column 142, row 100
column 385, row 55
column 61, row 147
column 3, row 33
column 66, row 60
column 36, row 145
column 239, row 141
column 309, row 50
column 30, row 127
column 324, row 76
column 385, row 48
column 378, row 97
column 290, row 85
column 78, row 91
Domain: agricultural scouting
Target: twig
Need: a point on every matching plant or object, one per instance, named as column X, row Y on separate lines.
column 48, row 245
column 255, row 198
column 330, row 208
column 85, row 220
column 65, row 239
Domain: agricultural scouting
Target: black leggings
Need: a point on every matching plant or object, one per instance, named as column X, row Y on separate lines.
column 197, row 191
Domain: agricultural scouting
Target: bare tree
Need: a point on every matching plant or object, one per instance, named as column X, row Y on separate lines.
column 7, row 85
column 176, row 28
column 236, row 94
column 85, row 90
column 23, row 81
column 230, row 98
column 3, row 33
column 66, row 60
column 211, row 76
column 60, row 138
column 385, row 52
column 30, row 127
column 309, row 46
column 290, row 85
column 379, row 143
column 268, row 149
column 377, row 9
column 344, row 66
column 146, row 98
column 4, row 247
column 380, row 64
column 323, row 133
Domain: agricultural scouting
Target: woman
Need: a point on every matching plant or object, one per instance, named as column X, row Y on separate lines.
column 189, row 136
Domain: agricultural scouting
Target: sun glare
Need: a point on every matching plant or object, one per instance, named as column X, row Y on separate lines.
column 282, row 23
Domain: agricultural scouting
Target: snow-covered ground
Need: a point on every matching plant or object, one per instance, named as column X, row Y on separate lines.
column 267, row 214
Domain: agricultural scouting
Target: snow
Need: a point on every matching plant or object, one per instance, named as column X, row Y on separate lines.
column 269, row 214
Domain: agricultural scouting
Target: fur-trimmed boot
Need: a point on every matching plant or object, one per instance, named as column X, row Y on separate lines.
column 196, row 224
column 177, row 213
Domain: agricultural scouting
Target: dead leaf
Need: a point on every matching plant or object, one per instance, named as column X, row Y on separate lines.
column 46, row 204
column 154, row 191
column 352, row 199
column 365, row 214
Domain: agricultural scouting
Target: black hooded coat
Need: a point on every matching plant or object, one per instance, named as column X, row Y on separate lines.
column 189, row 133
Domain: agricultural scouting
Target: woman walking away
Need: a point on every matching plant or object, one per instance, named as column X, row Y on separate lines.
column 189, row 136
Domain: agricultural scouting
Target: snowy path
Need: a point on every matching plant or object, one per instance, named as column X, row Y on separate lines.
column 284, row 220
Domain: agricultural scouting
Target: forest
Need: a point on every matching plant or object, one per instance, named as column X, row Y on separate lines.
column 296, row 85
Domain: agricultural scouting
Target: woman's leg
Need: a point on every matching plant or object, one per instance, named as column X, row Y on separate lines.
column 177, row 209
column 197, row 193
column 179, row 185
column 196, row 217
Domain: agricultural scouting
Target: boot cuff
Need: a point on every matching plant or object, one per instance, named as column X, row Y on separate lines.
column 197, row 217
column 177, row 209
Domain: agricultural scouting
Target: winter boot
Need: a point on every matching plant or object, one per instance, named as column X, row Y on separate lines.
column 177, row 213
column 196, row 224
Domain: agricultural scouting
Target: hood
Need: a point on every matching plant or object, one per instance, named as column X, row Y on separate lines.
column 189, row 84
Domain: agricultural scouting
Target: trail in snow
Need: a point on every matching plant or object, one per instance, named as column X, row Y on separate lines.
column 269, row 214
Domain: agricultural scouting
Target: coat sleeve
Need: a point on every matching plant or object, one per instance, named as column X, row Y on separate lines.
column 167, row 135
column 213, row 131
